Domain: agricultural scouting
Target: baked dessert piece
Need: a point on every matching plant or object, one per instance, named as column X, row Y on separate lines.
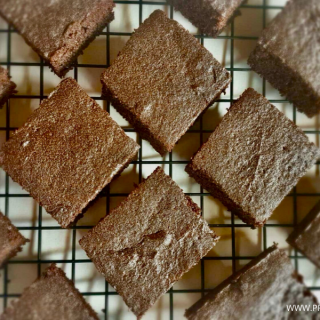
column 263, row 289
column 209, row 16
column 67, row 152
column 288, row 54
column 253, row 159
column 52, row 296
column 7, row 87
column 163, row 80
column 11, row 240
column 149, row 241
column 58, row 30
column 306, row 236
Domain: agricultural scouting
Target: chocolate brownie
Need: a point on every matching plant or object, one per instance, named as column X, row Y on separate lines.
column 163, row 80
column 53, row 296
column 149, row 241
column 253, row 159
column 261, row 290
column 58, row 30
column 7, row 87
column 306, row 236
column 209, row 16
column 288, row 54
column 11, row 240
column 67, row 152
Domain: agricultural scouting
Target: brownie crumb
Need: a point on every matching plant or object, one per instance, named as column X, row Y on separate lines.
column 7, row 87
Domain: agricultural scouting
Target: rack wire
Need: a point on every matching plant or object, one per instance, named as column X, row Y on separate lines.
column 140, row 162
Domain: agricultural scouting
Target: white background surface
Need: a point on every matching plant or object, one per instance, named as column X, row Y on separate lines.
column 57, row 244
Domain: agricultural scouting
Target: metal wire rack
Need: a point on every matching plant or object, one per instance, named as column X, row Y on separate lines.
column 41, row 229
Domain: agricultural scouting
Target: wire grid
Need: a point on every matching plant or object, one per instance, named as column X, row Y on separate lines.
column 140, row 162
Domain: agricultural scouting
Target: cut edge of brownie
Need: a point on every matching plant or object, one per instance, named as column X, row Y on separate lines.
column 190, row 203
column 301, row 227
column 61, row 61
column 282, row 77
column 217, row 191
column 189, row 312
column 54, row 271
column 142, row 129
column 18, row 246
column 9, row 90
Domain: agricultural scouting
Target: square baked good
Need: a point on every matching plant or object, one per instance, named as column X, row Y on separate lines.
column 7, row 87
column 263, row 289
column 11, row 240
column 209, row 16
column 58, row 30
column 53, row 296
column 306, row 236
column 163, row 80
column 288, row 54
column 67, row 152
column 253, row 159
column 149, row 241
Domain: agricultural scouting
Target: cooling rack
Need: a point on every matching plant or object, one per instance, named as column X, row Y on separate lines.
column 239, row 244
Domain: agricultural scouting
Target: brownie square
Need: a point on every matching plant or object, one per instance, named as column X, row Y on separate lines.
column 305, row 237
column 163, row 80
column 209, row 16
column 263, row 289
column 7, row 87
column 288, row 54
column 58, row 30
column 253, row 159
column 11, row 240
column 52, row 296
column 67, row 152
column 149, row 241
